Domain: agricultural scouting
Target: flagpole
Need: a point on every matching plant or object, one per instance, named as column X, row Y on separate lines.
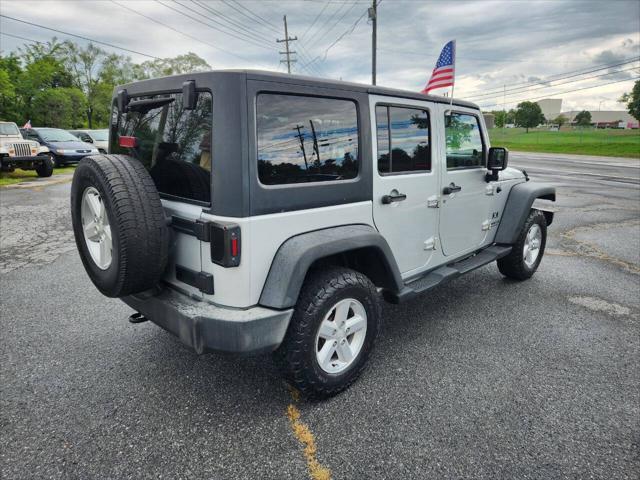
column 453, row 85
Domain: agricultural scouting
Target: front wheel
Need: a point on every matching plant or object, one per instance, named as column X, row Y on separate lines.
column 45, row 169
column 524, row 259
column 332, row 332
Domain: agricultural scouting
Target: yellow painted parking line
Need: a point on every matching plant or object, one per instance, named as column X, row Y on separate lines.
column 304, row 435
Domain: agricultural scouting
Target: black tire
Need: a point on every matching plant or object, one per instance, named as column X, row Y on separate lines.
column 513, row 265
column 296, row 356
column 45, row 169
column 139, row 231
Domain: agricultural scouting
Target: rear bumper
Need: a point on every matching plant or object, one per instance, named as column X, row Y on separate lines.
column 206, row 327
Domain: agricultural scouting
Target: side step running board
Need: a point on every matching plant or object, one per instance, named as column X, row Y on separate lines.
column 448, row 272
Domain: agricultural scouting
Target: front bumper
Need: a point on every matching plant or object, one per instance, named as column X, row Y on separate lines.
column 8, row 160
column 207, row 327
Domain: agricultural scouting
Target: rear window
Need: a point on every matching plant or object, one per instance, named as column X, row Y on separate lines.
column 174, row 144
column 305, row 139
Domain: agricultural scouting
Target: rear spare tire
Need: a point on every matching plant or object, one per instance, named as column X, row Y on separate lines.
column 119, row 224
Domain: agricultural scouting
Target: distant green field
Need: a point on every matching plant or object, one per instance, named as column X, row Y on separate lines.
column 611, row 143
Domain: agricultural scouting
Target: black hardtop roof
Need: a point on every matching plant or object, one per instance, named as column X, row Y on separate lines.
column 268, row 76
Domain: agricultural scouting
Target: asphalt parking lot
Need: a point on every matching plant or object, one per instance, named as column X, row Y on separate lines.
column 482, row 378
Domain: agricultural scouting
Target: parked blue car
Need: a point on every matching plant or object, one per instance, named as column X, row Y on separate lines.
column 66, row 148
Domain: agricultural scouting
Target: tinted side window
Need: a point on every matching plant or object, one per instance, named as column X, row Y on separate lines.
column 403, row 139
column 464, row 141
column 306, row 139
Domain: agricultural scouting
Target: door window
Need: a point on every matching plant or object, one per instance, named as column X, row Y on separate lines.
column 403, row 139
column 306, row 139
column 465, row 148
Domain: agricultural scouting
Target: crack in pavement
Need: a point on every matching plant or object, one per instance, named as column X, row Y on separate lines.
column 34, row 234
column 571, row 246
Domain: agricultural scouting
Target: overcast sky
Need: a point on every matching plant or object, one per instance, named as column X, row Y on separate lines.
column 498, row 42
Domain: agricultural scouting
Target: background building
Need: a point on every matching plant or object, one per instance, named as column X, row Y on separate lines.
column 608, row 118
column 489, row 119
column 550, row 107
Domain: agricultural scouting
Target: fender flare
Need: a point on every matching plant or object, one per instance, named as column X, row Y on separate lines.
column 519, row 202
column 296, row 255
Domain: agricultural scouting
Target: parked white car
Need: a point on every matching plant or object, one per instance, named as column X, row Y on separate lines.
column 99, row 138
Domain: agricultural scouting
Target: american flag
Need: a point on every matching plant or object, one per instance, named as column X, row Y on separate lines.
column 444, row 73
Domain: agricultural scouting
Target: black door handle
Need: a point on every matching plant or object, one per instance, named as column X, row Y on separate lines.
column 451, row 188
column 393, row 197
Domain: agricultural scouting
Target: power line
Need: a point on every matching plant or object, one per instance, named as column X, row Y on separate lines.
column 561, row 93
column 256, row 18
column 178, row 31
column 251, row 38
column 321, row 27
column 229, row 20
column 232, row 34
column 21, row 38
column 264, row 20
column 80, row 36
column 545, row 82
column 315, row 20
column 558, row 76
column 557, row 85
column 346, row 32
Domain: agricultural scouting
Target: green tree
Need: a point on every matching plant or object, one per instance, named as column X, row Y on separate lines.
column 163, row 67
column 583, row 118
column 528, row 115
column 33, row 52
column 10, row 72
column 633, row 100
column 59, row 107
column 560, row 120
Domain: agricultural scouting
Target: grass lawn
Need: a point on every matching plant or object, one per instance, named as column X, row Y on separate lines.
column 18, row 175
column 610, row 143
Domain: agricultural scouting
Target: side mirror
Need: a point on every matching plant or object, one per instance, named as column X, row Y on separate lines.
column 497, row 161
column 189, row 95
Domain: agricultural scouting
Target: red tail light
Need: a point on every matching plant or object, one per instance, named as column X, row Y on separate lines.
column 128, row 142
column 234, row 247
column 225, row 244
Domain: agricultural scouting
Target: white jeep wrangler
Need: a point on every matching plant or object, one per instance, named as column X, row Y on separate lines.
column 16, row 152
column 250, row 211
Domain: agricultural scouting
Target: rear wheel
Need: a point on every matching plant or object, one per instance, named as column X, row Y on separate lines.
column 119, row 224
column 524, row 259
column 332, row 332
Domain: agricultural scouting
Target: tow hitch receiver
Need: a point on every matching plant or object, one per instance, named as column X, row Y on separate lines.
column 137, row 318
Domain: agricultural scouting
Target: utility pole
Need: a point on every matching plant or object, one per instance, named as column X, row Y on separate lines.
column 286, row 41
column 373, row 16
column 300, row 136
